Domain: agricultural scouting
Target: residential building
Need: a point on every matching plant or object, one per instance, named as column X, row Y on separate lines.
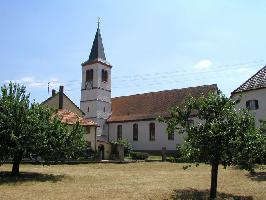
column 252, row 95
column 70, row 114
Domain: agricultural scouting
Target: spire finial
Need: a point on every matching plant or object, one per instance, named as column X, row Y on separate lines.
column 98, row 22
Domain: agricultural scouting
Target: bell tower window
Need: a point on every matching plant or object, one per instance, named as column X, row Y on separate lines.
column 104, row 75
column 89, row 79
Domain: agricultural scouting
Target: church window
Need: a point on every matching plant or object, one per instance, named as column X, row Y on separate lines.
column 88, row 109
column 104, row 75
column 89, row 79
column 135, row 132
column 171, row 136
column 103, row 109
column 119, row 132
column 89, row 75
column 152, row 131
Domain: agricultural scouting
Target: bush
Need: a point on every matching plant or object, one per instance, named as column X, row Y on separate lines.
column 139, row 155
column 126, row 144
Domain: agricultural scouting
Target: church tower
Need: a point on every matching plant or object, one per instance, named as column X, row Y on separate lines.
column 95, row 99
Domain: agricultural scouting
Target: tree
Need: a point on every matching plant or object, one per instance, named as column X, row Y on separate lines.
column 222, row 135
column 31, row 130
column 126, row 144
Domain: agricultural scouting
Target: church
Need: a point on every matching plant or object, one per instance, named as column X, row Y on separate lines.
column 129, row 117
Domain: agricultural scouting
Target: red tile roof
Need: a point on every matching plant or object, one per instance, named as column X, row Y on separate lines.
column 151, row 105
column 257, row 81
column 72, row 118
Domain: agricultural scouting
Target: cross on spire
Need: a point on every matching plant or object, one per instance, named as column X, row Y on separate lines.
column 98, row 22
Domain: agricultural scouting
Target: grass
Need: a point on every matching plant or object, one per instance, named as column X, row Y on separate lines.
column 152, row 180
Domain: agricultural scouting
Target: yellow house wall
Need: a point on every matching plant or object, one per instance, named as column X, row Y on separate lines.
column 67, row 104
column 107, row 149
column 90, row 136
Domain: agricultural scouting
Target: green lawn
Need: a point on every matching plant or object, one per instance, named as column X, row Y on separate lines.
column 146, row 180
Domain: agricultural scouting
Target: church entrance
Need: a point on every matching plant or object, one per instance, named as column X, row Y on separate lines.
column 101, row 152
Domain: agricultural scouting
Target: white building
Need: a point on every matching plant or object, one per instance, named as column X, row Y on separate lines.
column 129, row 117
column 252, row 96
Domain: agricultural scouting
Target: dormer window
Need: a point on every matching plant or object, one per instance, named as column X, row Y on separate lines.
column 104, row 75
column 252, row 104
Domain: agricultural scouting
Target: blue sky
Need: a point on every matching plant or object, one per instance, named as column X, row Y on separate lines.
column 152, row 45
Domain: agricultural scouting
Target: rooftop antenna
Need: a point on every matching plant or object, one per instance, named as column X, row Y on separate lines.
column 48, row 87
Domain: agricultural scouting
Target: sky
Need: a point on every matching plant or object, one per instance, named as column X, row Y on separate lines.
column 153, row 45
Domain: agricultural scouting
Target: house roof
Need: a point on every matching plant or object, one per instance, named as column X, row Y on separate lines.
column 97, row 50
column 151, row 105
column 71, row 118
column 257, row 81
column 64, row 96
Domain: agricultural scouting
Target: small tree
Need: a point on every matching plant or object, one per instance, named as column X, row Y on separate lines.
column 223, row 135
column 31, row 130
column 126, row 144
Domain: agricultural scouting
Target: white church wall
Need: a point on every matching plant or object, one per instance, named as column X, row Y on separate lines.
column 144, row 143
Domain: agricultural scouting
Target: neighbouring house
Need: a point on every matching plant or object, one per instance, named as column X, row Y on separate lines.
column 129, row 117
column 252, row 96
column 70, row 114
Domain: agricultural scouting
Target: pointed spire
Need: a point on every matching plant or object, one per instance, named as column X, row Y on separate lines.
column 97, row 50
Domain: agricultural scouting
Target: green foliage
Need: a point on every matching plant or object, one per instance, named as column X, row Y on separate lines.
column 222, row 134
column 127, row 146
column 31, row 130
column 139, row 155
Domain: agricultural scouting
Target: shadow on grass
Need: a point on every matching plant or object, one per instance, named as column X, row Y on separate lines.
column 6, row 178
column 257, row 176
column 194, row 194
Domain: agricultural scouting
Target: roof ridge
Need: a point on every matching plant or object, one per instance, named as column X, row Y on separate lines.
column 251, row 79
column 161, row 91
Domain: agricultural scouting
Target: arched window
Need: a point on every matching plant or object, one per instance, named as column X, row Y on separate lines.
column 89, row 79
column 152, row 131
column 135, row 132
column 119, row 132
column 104, row 75
column 89, row 75
column 88, row 109
column 103, row 109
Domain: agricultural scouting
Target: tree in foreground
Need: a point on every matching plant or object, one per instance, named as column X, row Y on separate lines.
column 31, row 130
column 222, row 135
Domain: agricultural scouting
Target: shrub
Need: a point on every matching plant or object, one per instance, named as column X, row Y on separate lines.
column 139, row 155
column 126, row 144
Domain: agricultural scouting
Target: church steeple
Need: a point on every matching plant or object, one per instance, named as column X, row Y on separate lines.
column 97, row 50
column 95, row 99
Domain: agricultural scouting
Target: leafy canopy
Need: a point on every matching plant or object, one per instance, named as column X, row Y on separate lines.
column 220, row 133
column 31, row 130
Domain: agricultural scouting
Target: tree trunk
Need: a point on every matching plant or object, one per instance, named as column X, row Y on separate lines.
column 16, row 162
column 214, row 175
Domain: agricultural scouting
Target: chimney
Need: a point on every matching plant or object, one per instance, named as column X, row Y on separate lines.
column 53, row 92
column 61, row 93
